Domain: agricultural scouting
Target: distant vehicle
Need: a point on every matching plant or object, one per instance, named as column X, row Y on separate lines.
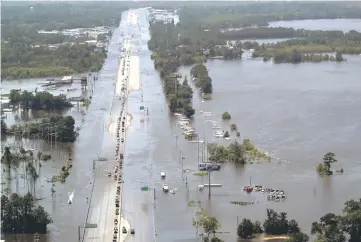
column 165, row 188
column 162, row 174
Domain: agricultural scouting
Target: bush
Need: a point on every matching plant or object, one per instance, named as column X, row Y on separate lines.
column 226, row 116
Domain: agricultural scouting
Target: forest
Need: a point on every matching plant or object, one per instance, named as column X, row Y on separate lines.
column 236, row 14
column 25, row 53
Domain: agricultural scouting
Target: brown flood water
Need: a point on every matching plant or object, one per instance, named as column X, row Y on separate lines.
column 296, row 113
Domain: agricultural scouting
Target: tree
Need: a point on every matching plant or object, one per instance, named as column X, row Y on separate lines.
column 277, row 224
column 226, row 116
column 31, row 171
column 245, row 229
column 333, row 228
column 257, row 227
column 325, row 167
column 19, row 215
column 189, row 111
column 4, row 127
column 209, row 224
column 329, row 228
column 339, row 57
column 293, row 227
column 233, row 127
column 298, row 237
column 236, row 153
column 351, row 220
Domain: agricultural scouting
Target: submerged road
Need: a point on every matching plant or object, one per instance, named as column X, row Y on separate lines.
column 109, row 182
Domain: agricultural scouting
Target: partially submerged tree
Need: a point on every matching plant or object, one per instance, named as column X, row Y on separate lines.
column 333, row 228
column 328, row 229
column 27, row 218
column 245, row 229
column 209, row 224
column 226, row 116
column 325, row 167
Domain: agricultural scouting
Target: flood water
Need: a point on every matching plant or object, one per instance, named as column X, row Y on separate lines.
column 296, row 113
column 320, row 24
column 91, row 143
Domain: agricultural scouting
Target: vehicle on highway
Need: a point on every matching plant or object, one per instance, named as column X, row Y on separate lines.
column 162, row 175
column 165, row 188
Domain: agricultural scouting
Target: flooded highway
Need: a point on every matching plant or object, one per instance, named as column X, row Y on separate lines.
column 296, row 113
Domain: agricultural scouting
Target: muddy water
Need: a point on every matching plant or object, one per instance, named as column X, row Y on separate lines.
column 90, row 144
column 296, row 113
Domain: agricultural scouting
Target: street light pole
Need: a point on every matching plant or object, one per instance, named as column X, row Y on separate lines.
column 209, row 183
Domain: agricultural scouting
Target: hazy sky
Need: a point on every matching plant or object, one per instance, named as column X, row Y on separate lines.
column 185, row 1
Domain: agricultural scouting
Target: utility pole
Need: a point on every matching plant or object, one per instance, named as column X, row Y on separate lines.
column 209, row 183
column 203, row 144
column 181, row 160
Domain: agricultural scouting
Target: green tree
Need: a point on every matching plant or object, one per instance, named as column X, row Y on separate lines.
column 245, row 229
column 209, row 224
column 226, row 116
column 351, row 220
column 257, row 227
column 329, row 228
column 233, row 127
column 298, row 237
column 325, row 167
column 277, row 223
column 19, row 215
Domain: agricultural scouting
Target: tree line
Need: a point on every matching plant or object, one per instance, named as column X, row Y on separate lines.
column 55, row 128
column 62, row 15
column 167, row 61
column 200, row 74
column 331, row 227
column 281, row 32
column 39, row 100
column 25, row 61
column 20, row 215
column 240, row 15
column 25, row 53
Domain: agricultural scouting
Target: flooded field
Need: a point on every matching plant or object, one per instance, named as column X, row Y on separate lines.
column 296, row 113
